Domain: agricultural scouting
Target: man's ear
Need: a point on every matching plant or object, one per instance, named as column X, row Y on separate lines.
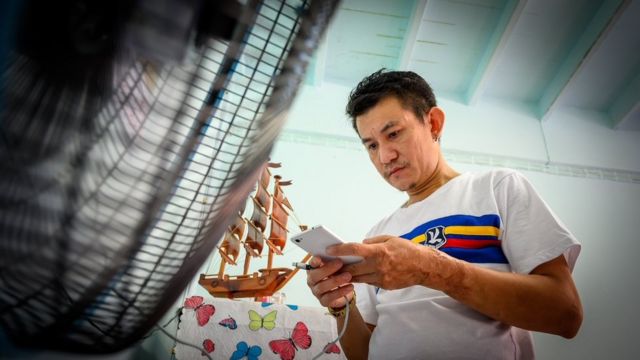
column 436, row 121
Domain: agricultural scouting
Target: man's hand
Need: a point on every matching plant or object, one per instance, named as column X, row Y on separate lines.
column 327, row 285
column 391, row 262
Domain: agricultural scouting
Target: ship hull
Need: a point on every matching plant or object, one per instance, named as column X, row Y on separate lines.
column 264, row 283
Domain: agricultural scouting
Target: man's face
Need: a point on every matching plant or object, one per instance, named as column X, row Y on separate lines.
column 401, row 147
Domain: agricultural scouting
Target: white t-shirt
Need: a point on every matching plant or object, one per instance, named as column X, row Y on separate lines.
column 493, row 219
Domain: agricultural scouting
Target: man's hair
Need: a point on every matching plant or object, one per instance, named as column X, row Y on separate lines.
column 411, row 89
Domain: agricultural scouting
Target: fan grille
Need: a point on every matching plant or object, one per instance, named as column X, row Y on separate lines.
column 109, row 207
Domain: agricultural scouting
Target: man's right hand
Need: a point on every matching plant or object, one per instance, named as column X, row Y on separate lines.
column 327, row 284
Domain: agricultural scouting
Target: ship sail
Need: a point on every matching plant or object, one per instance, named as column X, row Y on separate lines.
column 269, row 214
column 230, row 247
column 279, row 218
column 263, row 198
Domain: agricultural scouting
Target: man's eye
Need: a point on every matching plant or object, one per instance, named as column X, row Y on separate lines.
column 372, row 146
column 393, row 134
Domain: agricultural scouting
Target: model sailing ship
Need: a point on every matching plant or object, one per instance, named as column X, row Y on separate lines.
column 270, row 215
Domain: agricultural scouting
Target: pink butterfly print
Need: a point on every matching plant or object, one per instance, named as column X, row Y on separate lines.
column 203, row 311
column 229, row 323
column 286, row 348
column 208, row 346
column 332, row 348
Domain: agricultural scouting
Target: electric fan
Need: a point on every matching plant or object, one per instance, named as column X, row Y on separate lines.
column 130, row 133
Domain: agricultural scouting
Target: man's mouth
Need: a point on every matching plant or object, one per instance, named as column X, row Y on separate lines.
column 395, row 170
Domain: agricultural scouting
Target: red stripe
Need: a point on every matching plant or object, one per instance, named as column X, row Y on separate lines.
column 470, row 244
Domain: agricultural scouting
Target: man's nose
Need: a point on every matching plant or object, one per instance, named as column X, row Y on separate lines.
column 387, row 154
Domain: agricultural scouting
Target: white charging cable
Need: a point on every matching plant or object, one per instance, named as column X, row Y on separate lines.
column 344, row 328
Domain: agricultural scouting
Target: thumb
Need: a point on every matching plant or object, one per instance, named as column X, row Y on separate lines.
column 376, row 239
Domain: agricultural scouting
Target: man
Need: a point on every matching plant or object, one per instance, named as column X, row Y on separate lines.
column 465, row 267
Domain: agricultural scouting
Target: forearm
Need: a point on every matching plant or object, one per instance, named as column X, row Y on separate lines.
column 541, row 301
column 355, row 341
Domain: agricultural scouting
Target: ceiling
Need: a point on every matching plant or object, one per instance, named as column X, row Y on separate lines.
column 544, row 54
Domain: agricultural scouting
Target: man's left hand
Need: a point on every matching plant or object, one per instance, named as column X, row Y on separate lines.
column 389, row 262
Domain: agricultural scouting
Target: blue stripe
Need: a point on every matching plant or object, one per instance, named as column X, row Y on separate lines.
column 455, row 220
column 492, row 254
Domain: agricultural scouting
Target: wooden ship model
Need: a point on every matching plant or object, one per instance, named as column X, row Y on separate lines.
column 249, row 235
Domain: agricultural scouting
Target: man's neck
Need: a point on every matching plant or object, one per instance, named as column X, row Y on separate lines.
column 441, row 175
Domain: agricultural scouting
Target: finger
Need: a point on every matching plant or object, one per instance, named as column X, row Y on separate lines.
column 348, row 249
column 376, row 239
column 324, row 271
column 331, row 283
column 371, row 279
column 361, row 268
column 315, row 262
column 335, row 298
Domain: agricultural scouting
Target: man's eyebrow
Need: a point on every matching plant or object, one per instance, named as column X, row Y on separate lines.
column 386, row 127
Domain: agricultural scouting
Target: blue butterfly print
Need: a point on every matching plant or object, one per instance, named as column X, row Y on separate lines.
column 290, row 306
column 243, row 349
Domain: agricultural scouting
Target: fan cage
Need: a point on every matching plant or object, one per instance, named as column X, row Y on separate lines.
column 101, row 233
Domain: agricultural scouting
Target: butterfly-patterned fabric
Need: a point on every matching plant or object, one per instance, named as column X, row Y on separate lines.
column 242, row 329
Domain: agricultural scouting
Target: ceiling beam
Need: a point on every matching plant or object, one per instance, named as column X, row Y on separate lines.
column 592, row 36
column 411, row 36
column 626, row 104
column 501, row 33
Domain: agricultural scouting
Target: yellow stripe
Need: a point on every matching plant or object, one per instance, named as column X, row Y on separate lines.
column 472, row 230
column 463, row 230
column 418, row 239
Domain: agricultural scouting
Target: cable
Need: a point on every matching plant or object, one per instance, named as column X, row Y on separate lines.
column 344, row 329
column 184, row 342
column 546, row 145
column 177, row 315
column 174, row 338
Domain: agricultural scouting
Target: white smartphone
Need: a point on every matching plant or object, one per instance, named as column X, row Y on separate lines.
column 316, row 240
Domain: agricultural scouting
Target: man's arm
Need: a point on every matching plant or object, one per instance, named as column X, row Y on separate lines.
column 545, row 300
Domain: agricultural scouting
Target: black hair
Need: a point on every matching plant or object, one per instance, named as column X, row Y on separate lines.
column 410, row 88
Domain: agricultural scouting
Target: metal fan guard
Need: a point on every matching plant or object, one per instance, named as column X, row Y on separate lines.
column 104, row 220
